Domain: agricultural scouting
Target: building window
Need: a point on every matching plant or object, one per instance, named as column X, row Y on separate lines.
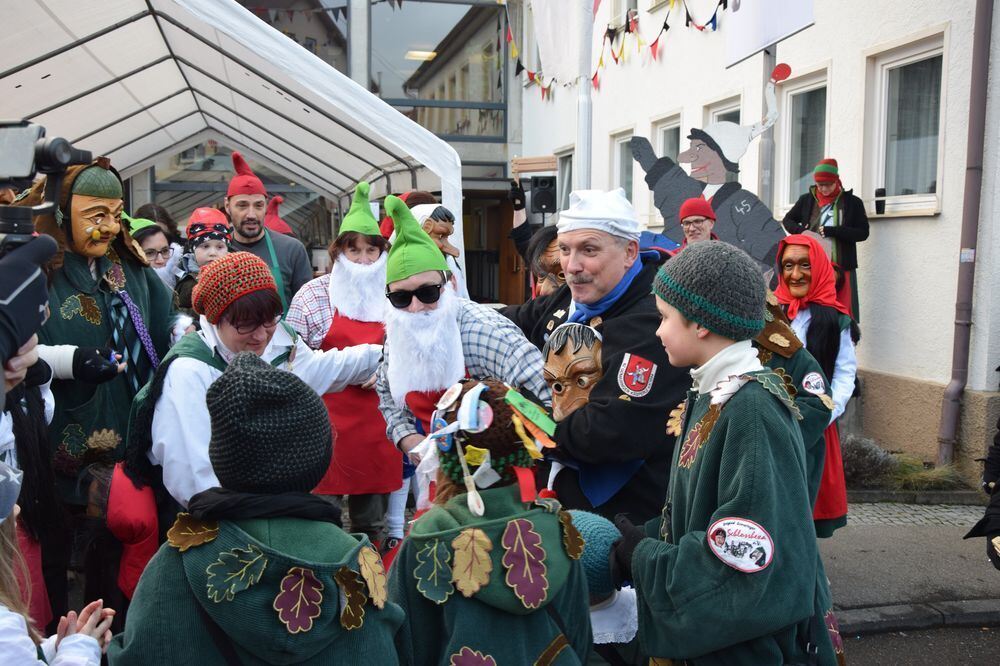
column 668, row 139
column 621, row 156
column 802, row 127
column 620, row 10
column 564, row 178
column 904, row 156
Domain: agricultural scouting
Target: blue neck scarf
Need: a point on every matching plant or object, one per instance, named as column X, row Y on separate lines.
column 587, row 311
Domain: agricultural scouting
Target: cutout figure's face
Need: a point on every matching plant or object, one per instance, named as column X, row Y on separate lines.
column 552, row 276
column 95, row 223
column 440, row 232
column 796, row 270
column 706, row 164
column 572, row 376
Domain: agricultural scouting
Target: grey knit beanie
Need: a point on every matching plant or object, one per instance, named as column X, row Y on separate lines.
column 270, row 432
column 716, row 285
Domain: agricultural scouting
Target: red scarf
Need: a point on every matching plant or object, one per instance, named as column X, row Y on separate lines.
column 823, row 285
column 827, row 200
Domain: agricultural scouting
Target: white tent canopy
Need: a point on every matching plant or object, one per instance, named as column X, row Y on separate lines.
column 138, row 80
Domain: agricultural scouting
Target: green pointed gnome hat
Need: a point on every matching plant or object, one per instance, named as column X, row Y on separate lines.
column 359, row 218
column 413, row 251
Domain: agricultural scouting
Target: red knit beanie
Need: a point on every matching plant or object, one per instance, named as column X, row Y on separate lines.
column 244, row 182
column 226, row 279
column 826, row 171
column 696, row 206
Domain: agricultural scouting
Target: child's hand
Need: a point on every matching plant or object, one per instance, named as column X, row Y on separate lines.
column 95, row 621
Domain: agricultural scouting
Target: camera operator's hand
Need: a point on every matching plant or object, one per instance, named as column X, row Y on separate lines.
column 96, row 365
column 24, row 293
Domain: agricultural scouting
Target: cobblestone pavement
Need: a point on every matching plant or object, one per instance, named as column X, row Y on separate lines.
column 887, row 513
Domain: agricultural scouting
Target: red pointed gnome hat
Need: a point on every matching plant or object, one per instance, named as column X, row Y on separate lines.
column 273, row 221
column 245, row 181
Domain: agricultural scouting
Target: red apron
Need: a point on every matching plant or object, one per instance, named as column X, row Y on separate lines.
column 423, row 404
column 831, row 501
column 364, row 462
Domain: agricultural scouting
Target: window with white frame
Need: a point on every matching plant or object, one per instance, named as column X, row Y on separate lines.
column 727, row 111
column 803, row 135
column 564, row 178
column 668, row 138
column 621, row 162
column 620, row 10
column 903, row 146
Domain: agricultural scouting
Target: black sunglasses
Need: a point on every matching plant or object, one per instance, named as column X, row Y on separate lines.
column 429, row 293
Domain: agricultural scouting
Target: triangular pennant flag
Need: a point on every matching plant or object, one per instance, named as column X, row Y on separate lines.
column 291, row 15
column 518, row 68
column 600, row 62
column 499, row 80
column 610, row 35
column 672, row 4
column 513, row 51
column 596, row 81
column 714, row 23
column 633, row 23
column 621, row 52
column 544, row 91
column 724, row 4
column 531, row 76
column 614, row 56
column 272, row 14
column 510, row 35
column 639, row 43
column 654, row 46
column 687, row 18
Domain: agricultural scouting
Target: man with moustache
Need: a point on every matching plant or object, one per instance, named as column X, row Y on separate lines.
column 615, row 448
column 246, row 205
column 433, row 338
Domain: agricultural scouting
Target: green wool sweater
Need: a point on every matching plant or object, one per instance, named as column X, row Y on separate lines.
column 90, row 421
column 286, row 563
column 443, row 626
column 708, row 605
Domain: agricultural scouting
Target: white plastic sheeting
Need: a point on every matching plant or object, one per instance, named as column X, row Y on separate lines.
column 139, row 80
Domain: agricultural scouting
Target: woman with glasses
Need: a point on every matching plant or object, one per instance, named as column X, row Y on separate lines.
column 345, row 308
column 154, row 243
column 240, row 310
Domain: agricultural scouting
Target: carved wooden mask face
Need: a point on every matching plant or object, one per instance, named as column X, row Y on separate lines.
column 95, row 223
column 572, row 375
column 552, row 276
column 440, row 232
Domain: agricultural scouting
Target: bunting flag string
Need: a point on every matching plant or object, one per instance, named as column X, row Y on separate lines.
column 712, row 24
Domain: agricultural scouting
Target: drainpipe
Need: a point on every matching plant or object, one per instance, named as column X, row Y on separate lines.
column 951, row 407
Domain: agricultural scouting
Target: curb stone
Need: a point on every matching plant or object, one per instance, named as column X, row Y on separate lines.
column 910, row 617
column 953, row 497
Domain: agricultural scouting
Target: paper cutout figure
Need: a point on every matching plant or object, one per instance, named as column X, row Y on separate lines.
column 741, row 218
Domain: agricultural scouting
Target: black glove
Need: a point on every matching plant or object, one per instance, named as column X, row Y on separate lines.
column 94, row 365
column 516, row 195
column 620, row 557
column 24, row 294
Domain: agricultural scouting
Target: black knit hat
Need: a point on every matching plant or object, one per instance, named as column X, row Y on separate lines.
column 716, row 285
column 270, row 432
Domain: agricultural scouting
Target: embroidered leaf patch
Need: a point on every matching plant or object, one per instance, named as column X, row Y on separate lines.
column 787, row 379
column 235, row 570
column 573, row 542
column 89, row 309
column 71, row 306
column 698, row 435
column 827, row 401
column 74, row 440
column 188, row 532
column 675, row 422
column 352, row 590
column 472, row 566
column 104, row 440
column 433, row 573
column 764, row 355
column 469, row 657
column 373, row 572
column 775, row 385
column 524, row 559
column 550, row 504
column 298, row 601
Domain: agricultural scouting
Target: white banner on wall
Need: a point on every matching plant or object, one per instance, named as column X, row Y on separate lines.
column 750, row 26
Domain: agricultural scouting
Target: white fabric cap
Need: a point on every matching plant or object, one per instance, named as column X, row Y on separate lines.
column 610, row 212
column 423, row 211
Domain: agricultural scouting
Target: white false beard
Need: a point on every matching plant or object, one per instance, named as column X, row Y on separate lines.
column 425, row 348
column 357, row 291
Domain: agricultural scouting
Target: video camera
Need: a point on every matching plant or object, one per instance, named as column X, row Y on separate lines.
column 25, row 152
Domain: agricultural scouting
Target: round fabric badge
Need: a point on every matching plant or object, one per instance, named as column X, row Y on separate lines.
column 813, row 383
column 741, row 544
column 449, row 397
column 443, row 441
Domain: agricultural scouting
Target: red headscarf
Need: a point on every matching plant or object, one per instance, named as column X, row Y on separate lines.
column 822, row 288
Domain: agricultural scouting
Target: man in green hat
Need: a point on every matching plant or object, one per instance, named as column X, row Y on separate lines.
column 436, row 338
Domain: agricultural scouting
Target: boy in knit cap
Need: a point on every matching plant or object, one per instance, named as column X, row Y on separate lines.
column 259, row 572
column 734, row 576
column 489, row 575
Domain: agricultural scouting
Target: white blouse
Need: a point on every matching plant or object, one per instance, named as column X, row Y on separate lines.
column 845, row 369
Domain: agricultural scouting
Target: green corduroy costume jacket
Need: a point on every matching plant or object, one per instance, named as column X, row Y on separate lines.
column 692, row 604
column 165, row 625
column 493, row 622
